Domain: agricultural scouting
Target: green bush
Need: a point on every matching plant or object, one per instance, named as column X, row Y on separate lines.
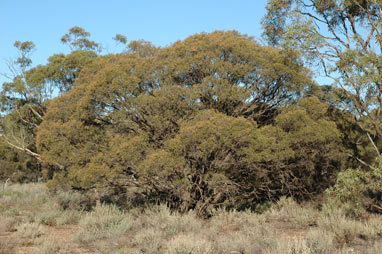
column 72, row 200
column 357, row 191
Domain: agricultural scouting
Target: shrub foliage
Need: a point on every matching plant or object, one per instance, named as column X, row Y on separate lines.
column 214, row 120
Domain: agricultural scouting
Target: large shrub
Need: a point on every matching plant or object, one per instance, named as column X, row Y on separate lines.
column 212, row 120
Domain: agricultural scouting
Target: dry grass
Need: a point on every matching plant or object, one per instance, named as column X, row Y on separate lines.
column 104, row 222
column 8, row 223
column 189, row 243
column 29, row 230
column 32, row 221
column 7, row 247
column 50, row 245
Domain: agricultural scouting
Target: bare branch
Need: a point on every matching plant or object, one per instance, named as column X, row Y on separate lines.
column 361, row 161
column 35, row 112
column 22, row 148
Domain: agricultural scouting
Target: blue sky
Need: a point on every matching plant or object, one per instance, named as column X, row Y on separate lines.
column 159, row 21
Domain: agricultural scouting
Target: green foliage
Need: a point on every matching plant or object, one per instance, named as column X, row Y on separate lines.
column 63, row 70
column 357, row 191
column 78, row 39
column 17, row 166
column 24, row 101
column 198, row 166
column 306, row 149
column 216, row 120
column 189, row 125
column 25, row 48
column 220, row 160
column 119, row 38
column 339, row 36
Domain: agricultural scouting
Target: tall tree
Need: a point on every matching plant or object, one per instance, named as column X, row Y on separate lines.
column 25, row 98
column 343, row 38
column 23, row 101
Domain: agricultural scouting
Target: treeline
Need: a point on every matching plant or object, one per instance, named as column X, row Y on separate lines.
column 216, row 120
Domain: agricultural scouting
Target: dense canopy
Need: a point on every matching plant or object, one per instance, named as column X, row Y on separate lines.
column 215, row 120
column 197, row 124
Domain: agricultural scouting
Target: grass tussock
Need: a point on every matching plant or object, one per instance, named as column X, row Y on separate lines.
column 29, row 230
column 50, row 245
column 8, row 223
column 104, row 222
column 7, row 247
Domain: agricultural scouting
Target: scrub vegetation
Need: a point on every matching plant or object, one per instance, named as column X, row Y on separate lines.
column 33, row 221
column 212, row 144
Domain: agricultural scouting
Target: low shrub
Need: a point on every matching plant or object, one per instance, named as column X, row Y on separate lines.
column 357, row 191
column 29, row 231
column 54, row 245
column 72, row 200
column 288, row 210
column 103, row 222
column 69, row 217
column 149, row 240
column 48, row 218
column 7, row 223
column 184, row 244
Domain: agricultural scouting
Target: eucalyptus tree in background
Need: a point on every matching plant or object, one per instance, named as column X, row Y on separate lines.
column 23, row 101
column 78, row 39
column 344, row 39
column 25, row 97
column 120, row 39
column 22, row 105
